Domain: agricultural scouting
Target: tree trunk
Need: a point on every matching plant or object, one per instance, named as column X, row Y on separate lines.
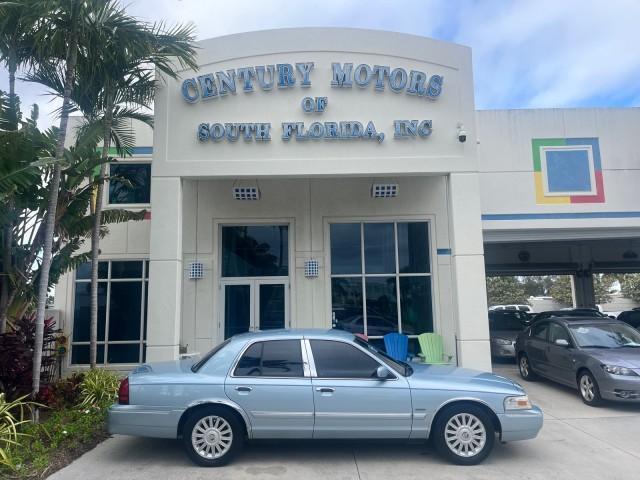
column 50, row 219
column 7, row 231
column 95, row 232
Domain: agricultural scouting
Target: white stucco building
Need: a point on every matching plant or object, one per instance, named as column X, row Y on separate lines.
column 317, row 178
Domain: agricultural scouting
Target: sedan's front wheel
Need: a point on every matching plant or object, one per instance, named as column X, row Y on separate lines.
column 588, row 389
column 212, row 437
column 464, row 434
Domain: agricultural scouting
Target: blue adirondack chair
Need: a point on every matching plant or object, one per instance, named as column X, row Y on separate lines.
column 397, row 346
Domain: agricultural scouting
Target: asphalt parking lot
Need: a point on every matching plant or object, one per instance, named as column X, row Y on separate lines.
column 576, row 441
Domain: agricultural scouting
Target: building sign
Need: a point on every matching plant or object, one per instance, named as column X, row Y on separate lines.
column 285, row 76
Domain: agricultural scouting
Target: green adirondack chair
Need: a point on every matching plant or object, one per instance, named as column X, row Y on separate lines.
column 431, row 349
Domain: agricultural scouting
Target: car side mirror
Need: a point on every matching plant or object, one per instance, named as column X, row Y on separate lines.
column 382, row 373
column 561, row 342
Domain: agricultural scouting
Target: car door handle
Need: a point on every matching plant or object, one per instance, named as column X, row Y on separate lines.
column 325, row 389
column 243, row 389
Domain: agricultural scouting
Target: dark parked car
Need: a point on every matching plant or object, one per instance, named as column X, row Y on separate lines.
column 631, row 317
column 504, row 327
column 598, row 356
column 569, row 312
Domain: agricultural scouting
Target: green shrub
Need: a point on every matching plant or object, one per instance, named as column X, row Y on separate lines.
column 12, row 417
column 99, row 388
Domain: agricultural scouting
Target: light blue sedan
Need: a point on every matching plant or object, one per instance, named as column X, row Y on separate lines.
column 318, row 384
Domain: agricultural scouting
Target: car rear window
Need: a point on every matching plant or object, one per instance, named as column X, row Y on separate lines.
column 197, row 366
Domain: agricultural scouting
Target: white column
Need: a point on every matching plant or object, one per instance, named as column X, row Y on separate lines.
column 165, row 275
column 467, row 264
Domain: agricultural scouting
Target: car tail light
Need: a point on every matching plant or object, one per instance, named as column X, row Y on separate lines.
column 123, row 392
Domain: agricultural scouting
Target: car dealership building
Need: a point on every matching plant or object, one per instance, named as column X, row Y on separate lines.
column 337, row 177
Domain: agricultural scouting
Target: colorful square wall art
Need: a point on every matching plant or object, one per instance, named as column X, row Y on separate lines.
column 567, row 170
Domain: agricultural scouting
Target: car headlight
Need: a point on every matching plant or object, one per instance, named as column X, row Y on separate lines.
column 517, row 403
column 615, row 370
column 501, row 341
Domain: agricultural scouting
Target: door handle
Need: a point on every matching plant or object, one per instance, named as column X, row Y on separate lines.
column 325, row 389
column 243, row 389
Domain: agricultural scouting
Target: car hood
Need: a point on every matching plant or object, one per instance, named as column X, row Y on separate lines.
column 446, row 377
column 506, row 334
column 628, row 357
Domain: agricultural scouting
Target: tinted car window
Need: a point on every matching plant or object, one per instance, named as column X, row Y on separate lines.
column 558, row 332
column 540, row 331
column 275, row 358
column 632, row 318
column 341, row 360
column 511, row 321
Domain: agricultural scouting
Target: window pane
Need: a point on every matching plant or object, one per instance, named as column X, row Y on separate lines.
column 345, row 248
column 341, row 360
column 126, row 269
column 346, row 304
column 255, row 251
column 237, row 309
column 540, row 331
column 80, row 354
column 413, row 247
column 276, row 358
column 415, row 305
column 379, row 248
column 82, row 311
column 249, row 364
column 124, row 353
column 282, row 358
column 557, row 332
column 271, row 306
column 134, row 184
column 382, row 305
column 146, row 308
column 124, row 311
column 83, row 272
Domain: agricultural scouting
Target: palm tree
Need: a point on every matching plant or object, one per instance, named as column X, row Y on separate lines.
column 128, row 82
column 15, row 46
column 62, row 31
column 116, row 83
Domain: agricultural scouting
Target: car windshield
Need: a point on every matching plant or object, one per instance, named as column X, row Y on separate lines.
column 403, row 368
column 609, row 335
column 512, row 321
column 196, row 366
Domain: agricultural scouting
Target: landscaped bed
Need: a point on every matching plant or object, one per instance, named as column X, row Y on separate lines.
column 72, row 423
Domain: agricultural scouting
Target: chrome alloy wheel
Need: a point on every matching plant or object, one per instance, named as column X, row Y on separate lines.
column 524, row 366
column 587, row 388
column 465, row 435
column 211, row 437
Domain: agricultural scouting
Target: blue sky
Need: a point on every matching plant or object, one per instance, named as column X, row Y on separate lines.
column 526, row 53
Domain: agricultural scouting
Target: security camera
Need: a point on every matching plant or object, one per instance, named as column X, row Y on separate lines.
column 462, row 134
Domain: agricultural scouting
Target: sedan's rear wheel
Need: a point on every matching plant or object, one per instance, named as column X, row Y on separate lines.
column 464, row 434
column 212, row 437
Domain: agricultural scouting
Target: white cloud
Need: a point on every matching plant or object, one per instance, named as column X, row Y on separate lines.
column 542, row 53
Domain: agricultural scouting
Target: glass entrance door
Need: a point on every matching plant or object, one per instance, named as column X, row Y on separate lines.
column 257, row 304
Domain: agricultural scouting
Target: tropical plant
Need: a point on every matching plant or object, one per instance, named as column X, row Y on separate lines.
column 115, row 84
column 15, row 48
column 12, row 416
column 99, row 388
column 16, row 356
